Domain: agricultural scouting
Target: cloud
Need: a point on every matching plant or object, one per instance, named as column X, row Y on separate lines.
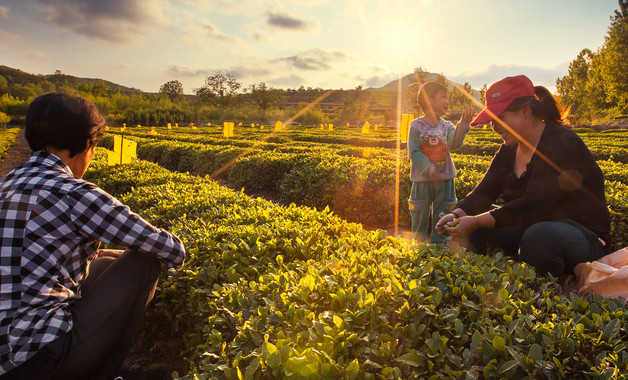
column 213, row 32
column 257, row 34
column 36, row 56
column 539, row 75
column 179, row 71
column 284, row 20
column 377, row 81
column 291, row 80
column 355, row 8
column 8, row 37
column 315, row 59
column 114, row 21
column 4, row 12
column 124, row 66
column 208, row 36
column 253, row 70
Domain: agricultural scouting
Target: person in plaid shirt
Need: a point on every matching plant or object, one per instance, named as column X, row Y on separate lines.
column 68, row 310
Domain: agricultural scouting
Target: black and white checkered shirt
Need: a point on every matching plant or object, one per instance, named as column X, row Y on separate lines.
column 51, row 225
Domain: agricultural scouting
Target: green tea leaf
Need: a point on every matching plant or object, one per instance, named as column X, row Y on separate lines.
column 499, row 343
column 411, row 359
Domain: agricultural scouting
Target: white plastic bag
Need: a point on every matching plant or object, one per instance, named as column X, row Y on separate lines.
column 608, row 276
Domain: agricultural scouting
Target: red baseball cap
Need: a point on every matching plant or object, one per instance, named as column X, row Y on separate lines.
column 501, row 94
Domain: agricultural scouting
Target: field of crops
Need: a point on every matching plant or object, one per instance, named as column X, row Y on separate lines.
column 272, row 291
column 352, row 174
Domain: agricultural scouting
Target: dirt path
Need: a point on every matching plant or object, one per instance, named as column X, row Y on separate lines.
column 17, row 155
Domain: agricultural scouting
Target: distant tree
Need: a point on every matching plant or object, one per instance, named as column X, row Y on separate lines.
column 23, row 92
column 172, row 89
column 409, row 101
column 4, row 85
column 266, row 97
column 99, row 88
column 614, row 60
column 483, row 94
column 460, row 98
column 572, row 88
column 356, row 106
column 597, row 82
column 219, row 88
column 440, row 78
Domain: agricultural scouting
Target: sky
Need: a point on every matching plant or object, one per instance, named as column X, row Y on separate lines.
column 329, row 44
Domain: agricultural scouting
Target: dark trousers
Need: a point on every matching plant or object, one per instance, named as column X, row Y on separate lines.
column 113, row 298
column 554, row 247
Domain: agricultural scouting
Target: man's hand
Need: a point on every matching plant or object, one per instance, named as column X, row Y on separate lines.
column 115, row 253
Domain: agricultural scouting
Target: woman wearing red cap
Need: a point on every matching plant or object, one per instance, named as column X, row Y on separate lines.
column 554, row 213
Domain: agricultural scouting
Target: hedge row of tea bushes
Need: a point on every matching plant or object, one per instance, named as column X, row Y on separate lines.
column 7, row 139
column 358, row 189
column 290, row 292
column 607, row 145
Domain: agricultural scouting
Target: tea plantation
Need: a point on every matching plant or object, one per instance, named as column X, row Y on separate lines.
column 301, row 291
column 7, row 139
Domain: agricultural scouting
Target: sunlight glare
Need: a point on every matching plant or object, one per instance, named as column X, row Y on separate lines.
column 401, row 38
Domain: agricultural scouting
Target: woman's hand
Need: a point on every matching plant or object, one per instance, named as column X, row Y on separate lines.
column 465, row 225
column 462, row 226
column 443, row 221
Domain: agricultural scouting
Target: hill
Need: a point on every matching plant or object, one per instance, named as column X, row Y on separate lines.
column 17, row 76
column 407, row 80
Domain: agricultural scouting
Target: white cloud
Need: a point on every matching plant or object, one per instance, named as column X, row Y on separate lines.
column 315, row 59
column 178, row 71
column 543, row 76
column 123, row 66
column 213, row 32
column 291, row 80
column 257, row 34
column 355, row 8
column 4, row 12
column 209, row 36
column 35, row 55
column 5, row 38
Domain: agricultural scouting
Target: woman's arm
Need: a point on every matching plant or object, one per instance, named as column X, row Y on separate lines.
column 489, row 189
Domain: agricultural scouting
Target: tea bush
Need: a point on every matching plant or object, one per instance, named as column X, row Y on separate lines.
column 7, row 139
column 290, row 292
column 355, row 185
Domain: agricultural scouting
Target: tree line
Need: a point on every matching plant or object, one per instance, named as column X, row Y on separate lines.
column 596, row 86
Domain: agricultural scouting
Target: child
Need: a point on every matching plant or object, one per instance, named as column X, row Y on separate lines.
column 430, row 139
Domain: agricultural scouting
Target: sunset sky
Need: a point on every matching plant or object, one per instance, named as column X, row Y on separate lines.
column 315, row 43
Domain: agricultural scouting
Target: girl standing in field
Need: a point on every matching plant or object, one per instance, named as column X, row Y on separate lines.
column 554, row 212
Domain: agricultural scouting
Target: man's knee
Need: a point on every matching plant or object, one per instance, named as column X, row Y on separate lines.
column 146, row 265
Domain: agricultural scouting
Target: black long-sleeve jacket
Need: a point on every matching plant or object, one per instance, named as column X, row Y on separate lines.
column 561, row 181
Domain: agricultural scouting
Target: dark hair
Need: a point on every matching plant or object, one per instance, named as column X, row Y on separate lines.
column 427, row 92
column 63, row 121
column 543, row 105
